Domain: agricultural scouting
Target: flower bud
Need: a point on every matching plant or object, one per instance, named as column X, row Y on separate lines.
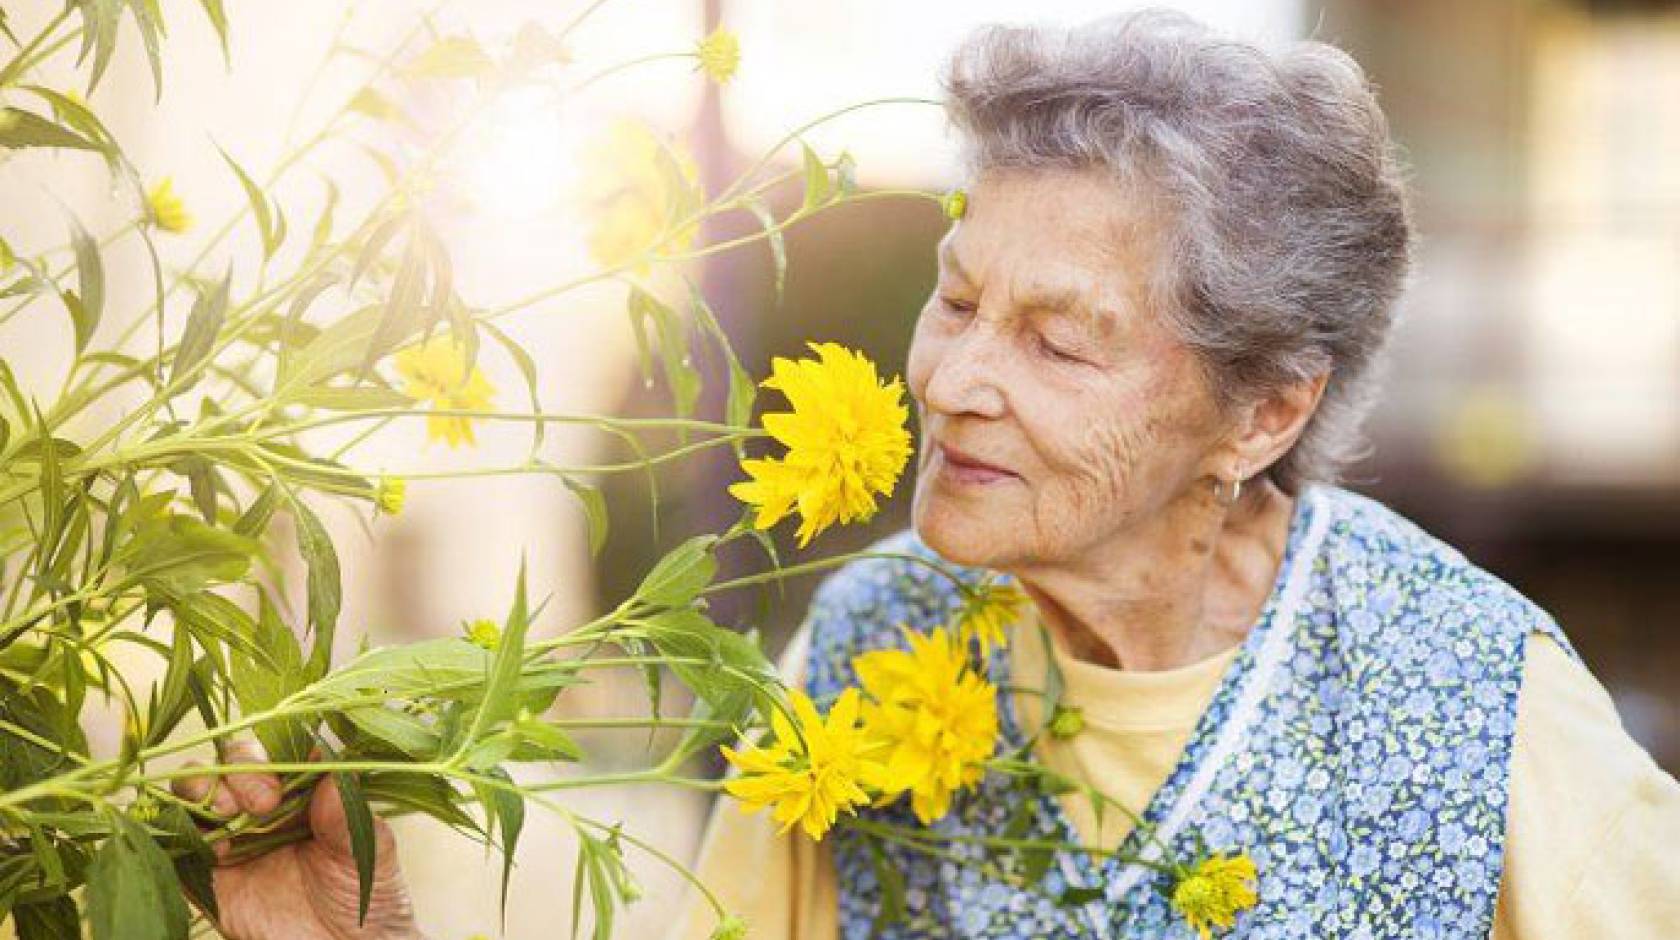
column 1066, row 721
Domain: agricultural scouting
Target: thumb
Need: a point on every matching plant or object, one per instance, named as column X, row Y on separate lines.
column 330, row 825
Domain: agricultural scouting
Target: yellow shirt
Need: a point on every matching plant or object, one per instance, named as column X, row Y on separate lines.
column 1592, row 840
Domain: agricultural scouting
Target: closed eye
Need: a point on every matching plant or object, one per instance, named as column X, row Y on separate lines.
column 1053, row 352
column 956, row 306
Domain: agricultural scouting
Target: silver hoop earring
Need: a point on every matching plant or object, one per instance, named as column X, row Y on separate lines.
column 1219, row 491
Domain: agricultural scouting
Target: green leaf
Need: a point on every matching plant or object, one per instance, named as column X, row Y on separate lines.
column 54, row 919
column 398, row 316
column 99, row 35
column 731, row 667
column 193, row 856
column 218, row 19
column 359, row 819
column 527, row 370
column 677, row 579
column 778, row 246
column 83, row 121
column 499, row 704
column 20, row 129
column 90, row 273
column 204, row 324
column 400, row 730
column 891, row 882
column 681, row 376
column 594, row 512
column 133, row 892
column 214, row 621
column 452, row 57
column 324, row 222
column 150, row 22
column 173, row 699
column 419, row 792
column 816, row 179
column 179, row 554
column 261, row 686
column 255, row 518
column 267, row 228
column 507, row 808
column 340, row 347
column 325, row 588
column 743, row 391
column 449, row 667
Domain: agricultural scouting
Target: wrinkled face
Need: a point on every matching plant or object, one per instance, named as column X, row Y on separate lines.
column 1037, row 354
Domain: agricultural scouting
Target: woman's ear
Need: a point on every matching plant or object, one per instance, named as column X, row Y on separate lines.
column 1267, row 428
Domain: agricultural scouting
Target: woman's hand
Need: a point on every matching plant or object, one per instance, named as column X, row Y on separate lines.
column 306, row 890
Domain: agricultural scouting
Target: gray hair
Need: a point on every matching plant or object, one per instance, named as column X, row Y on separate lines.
column 1290, row 239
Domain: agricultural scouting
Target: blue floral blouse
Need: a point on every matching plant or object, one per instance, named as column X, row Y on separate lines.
column 1357, row 748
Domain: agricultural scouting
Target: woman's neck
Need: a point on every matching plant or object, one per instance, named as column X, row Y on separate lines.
column 1183, row 585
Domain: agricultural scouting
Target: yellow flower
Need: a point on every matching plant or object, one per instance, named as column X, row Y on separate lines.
column 165, row 210
column 988, row 613
column 845, row 437
column 1214, row 891
column 638, row 188
column 955, row 204
column 388, row 498
column 808, row 783
column 937, row 718
column 720, row 55
column 436, row 371
column 483, row 633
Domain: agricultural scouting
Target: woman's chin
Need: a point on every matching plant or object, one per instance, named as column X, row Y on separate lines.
column 958, row 533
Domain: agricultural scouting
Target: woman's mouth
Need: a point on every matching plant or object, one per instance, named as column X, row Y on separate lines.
column 963, row 469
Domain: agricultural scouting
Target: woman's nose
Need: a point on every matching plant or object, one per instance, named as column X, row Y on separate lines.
column 966, row 379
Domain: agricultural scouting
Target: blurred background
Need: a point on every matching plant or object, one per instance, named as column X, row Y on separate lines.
column 1532, row 418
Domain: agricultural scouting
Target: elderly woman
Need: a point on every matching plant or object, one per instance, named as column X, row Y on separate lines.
column 1155, row 333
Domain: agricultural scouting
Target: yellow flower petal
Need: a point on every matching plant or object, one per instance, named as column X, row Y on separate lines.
column 936, row 719
column 845, row 437
column 720, row 55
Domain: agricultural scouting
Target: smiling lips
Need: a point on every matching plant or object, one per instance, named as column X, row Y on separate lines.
column 961, row 467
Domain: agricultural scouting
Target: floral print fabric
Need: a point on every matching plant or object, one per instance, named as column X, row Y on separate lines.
column 1357, row 748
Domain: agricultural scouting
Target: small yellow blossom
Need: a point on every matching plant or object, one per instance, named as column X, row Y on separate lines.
column 390, row 495
column 720, row 55
column 436, row 371
column 846, row 442
column 937, row 718
column 144, row 809
column 988, row 613
column 812, row 775
column 955, row 204
column 1214, row 891
column 638, row 188
column 484, row 633
column 165, row 210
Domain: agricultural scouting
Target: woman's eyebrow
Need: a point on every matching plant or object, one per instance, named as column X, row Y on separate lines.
column 1068, row 300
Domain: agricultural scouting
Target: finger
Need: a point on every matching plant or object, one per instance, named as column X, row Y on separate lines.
column 255, row 793
column 202, row 787
column 332, row 832
column 191, row 788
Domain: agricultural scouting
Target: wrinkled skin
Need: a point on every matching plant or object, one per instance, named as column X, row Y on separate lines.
column 305, row 890
column 1108, row 427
